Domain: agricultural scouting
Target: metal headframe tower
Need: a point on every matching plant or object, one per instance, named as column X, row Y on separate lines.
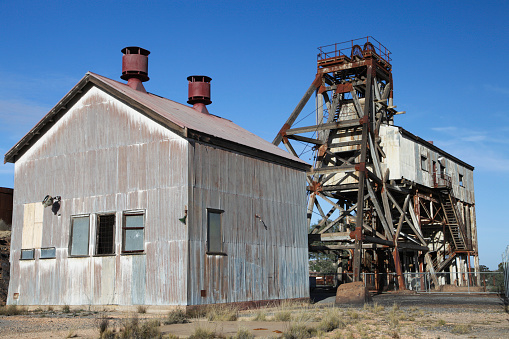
column 348, row 184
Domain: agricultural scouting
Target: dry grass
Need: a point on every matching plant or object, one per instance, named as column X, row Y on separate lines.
column 243, row 333
column 461, row 329
column 134, row 329
column 202, row 333
column 299, row 331
column 222, row 313
column 12, row 310
column 176, row 317
column 261, row 315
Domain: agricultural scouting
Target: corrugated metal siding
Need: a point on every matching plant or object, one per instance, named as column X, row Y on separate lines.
column 103, row 156
column 260, row 264
column 404, row 161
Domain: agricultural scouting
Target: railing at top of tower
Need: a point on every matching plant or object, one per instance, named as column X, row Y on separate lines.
column 346, row 48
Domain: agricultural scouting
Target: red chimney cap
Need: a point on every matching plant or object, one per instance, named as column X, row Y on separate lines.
column 135, row 63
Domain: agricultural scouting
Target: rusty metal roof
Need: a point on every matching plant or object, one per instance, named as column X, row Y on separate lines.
column 181, row 119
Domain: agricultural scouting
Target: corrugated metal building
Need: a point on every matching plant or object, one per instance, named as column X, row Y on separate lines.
column 152, row 202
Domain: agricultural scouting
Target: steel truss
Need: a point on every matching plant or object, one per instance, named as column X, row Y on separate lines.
column 374, row 217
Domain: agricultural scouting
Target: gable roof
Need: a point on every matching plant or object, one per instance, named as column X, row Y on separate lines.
column 181, row 119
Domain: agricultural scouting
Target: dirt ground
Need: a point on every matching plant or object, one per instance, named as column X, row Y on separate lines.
column 389, row 316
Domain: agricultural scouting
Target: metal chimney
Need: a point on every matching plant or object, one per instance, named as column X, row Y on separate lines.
column 199, row 92
column 135, row 67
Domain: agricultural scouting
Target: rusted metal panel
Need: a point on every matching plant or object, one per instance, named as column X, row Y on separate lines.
column 263, row 260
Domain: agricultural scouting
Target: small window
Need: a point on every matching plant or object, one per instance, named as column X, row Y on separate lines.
column 105, row 234
column 424, row 163
column 48, row 253
column 79, row 236
column 460, row 179
column 27, row 254
column 214, row 232
column 132, row 232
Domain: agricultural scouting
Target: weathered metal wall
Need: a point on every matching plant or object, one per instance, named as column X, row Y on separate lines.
column 404, row 161
column 264, row 259
column 103, row 156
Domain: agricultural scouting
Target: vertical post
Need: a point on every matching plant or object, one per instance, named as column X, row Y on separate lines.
column 399, row 273
column 361, row 170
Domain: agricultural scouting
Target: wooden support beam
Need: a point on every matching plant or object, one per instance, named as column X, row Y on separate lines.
column 331, row 169
column 381, row 215
column 305, row 139
column 410, row 223
column 314, row 85
column 328, row 126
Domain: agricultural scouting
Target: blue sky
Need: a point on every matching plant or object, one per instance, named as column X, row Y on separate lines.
column 449, row 68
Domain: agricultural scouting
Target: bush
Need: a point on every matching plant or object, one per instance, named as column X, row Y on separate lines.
column 201, row 333
column 330, row 322
column 141, row 309
column 66, row 309
column 260, row 316
column 299, row 331
column 222, row 313
column 461, row 329
column 146, row 330
column 176, row 317
column 12, row 310
column 243, row 333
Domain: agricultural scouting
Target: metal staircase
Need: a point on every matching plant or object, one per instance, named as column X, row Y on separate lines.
column 454, row 220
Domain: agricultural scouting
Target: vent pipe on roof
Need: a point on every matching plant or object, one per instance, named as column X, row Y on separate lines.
column 135, row 67
column 199, row 92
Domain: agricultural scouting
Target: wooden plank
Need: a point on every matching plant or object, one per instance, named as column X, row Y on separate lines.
column 376, row 204
column 343, row 187
column 314, row 85
column 412, row 226
column 328, row 126
column 345, row 143
column 401, row 218
column 289, row 147
column 306, row 139
column 331, row 169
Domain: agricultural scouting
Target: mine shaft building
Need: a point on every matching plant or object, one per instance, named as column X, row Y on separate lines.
column 388, row 202
column 123, row 197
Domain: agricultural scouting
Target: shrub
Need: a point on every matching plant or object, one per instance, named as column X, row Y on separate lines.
column 12, row 310
column 146, row 330
column 66, row 309
column 299, row 331
column 260, row 316
column 283, row 316
column 103, row 325
column 141, row 309
column 201, row 333
column 176, row 317
column 222, row 313
column 461, row 329
column 330, row 321
column 243, row 333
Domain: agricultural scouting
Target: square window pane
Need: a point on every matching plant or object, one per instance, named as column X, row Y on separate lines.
column 48, row 253
column 133, row 240
column 80, row 232
column 133, row 221
column 27, row 254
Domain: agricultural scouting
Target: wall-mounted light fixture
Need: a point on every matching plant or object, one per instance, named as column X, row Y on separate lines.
column 54, row 202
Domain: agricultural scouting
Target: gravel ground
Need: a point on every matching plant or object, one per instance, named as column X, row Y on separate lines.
column 417, row 316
